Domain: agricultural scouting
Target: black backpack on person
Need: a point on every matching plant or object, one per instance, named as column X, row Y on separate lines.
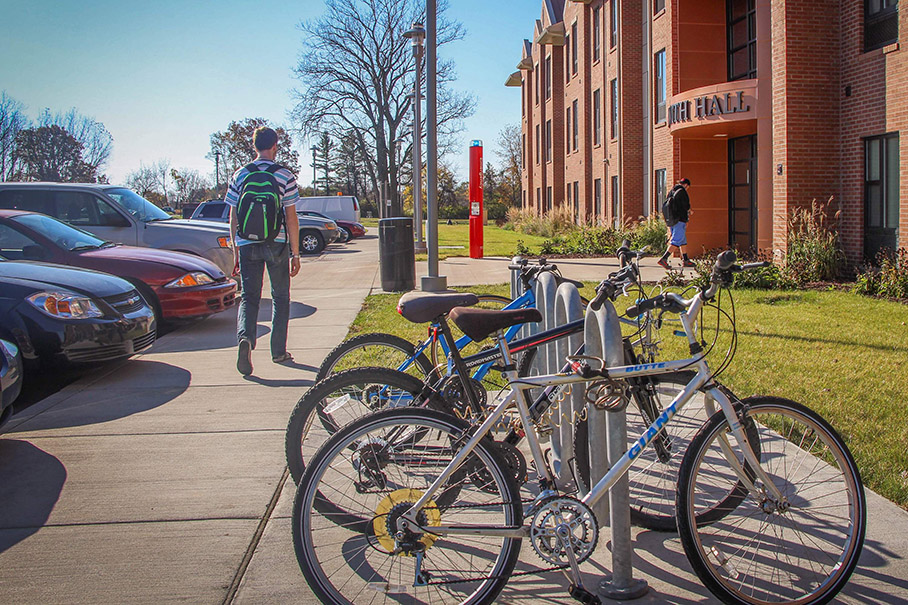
column 668, row 209
column 259, row 212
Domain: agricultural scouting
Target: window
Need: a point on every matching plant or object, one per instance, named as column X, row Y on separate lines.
column 659, row 187
column 741, row 17
column 576, row 120
column 212, row 210
column 523, row 151
column 548, row 199
column 538, row 199
column 567, row 57
column 548, row 140
column 613, row 23
column 576, row 201
column 523, row 98
column 596, row 32
column 568, row 125
column 568, row 193
column 658, row 6
column 548, row 77
column 85, row 210
column 537, row 143
column 536, row 88
column 615, row 205
column 574, row 48
column 881, row 193
column 659, row 88
column 597, row 197
column 614, row 125
column 881, row 23
column 17, row 246
column 597, row 117
column 33, row 200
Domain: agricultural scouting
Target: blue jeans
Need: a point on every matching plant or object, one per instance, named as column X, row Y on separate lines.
column 253, row 260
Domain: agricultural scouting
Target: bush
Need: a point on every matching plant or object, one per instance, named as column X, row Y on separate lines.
column 888, row 279
column 650, row 233
column 814, row 251
column 767, row 278
column 550, row 224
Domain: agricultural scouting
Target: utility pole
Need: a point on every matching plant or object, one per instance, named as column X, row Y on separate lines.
column 314, row 178
column 217, row 172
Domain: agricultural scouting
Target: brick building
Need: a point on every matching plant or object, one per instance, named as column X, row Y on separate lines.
column 765, row 105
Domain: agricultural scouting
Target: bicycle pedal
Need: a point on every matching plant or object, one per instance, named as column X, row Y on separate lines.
column 584, row 596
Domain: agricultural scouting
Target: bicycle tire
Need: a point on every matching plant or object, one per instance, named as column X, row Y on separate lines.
column 310, row 407
column 375, row 349
column 653, row 479
column 375, row 485
column 820, row 486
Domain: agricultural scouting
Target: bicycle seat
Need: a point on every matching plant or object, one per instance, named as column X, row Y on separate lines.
column 478, row 324
column 420, row 307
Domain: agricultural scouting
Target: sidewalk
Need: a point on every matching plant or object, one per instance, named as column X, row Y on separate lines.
column 163, row 478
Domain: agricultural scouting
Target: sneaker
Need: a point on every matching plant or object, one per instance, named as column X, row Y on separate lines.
column 688, row 264
column 664, row 263
column 244, row 357
column 283, row 358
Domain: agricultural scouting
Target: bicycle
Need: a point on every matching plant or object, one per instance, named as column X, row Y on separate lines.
column 349, row 395
column 425, row 509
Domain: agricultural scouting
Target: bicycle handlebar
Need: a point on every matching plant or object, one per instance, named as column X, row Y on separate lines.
column 608, row 288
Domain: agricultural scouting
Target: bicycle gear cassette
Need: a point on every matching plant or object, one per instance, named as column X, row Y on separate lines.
column 390, row 509
column 562, row 522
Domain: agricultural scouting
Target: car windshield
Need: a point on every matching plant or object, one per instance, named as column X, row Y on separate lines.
column 137, row 205
column 62, row 234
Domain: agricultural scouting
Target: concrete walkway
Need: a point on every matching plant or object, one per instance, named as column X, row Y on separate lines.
column 163, row 478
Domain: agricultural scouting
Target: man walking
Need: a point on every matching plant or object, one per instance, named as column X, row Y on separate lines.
column 262, row 197
column 677, row 241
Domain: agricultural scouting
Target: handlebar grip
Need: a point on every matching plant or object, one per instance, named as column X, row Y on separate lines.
column 596, row 303
column 726, row 260
column 759, row 265
column 644, row 305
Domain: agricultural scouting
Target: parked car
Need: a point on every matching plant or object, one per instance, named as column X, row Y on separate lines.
column 57, row 314
column 175, row 285
column 168, row 209
column 350, row 230
column 10, row 378
column 117, row 214
column 343, row 207
column 315, row 234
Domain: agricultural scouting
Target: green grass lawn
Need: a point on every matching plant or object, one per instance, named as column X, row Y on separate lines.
column 454, row 240
column 841, row 354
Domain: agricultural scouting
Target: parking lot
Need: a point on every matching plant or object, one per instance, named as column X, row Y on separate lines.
column 162, row 478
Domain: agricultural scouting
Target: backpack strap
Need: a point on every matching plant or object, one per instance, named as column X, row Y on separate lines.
column 273, row 168
column 251, row 167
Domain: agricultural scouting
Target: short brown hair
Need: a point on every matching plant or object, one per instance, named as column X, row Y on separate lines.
column 264, row 138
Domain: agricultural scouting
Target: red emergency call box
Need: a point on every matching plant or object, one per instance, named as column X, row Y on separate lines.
column 476, row 199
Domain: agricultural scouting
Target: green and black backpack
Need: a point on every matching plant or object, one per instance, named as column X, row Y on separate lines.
column 259, row 212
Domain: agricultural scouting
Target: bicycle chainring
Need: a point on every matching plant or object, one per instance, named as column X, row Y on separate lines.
column 452, row 391
column 566, row 513
column 514, row 460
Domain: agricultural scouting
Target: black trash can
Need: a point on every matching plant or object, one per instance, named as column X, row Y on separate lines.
column 395, row 252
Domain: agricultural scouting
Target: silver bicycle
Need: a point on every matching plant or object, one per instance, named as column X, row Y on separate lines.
column 770, row 504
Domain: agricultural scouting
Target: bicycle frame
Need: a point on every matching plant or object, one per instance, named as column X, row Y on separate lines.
column 620, row 467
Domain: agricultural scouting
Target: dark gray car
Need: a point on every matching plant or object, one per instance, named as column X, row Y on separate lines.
column 315, row 233
column 118, row 214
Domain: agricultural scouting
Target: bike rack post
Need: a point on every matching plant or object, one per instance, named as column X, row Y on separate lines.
column 568, row 308
column 602, row 335
column 515, row 278
column 545, row 288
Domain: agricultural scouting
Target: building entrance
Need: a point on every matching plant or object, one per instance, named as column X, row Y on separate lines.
column 742, row 192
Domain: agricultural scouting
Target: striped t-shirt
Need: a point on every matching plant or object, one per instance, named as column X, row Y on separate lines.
column 288, row 190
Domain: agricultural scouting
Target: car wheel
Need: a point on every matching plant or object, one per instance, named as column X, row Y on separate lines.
column 152, row 299
column 348, row 235
column 311, row 242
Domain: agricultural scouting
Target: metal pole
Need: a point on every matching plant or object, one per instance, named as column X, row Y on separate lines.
column 432, row 282
column 217, row 172
column 417, row 152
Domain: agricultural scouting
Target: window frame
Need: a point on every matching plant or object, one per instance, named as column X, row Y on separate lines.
column 750, row 45
column 613, row 24
column 576, row 137
column 574, row 52
column 597, row 117
column 613, row 84
column 597, row 32
column 885, row 13
column 548, row 141
column 659, row 87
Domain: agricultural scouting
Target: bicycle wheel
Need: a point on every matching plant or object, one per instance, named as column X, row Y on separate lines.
column 375, row 350
column 337, row 401
column 374, row 470
column 800, row 550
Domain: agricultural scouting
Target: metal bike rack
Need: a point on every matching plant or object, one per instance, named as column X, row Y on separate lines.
column 602, row 335
column 568, row 308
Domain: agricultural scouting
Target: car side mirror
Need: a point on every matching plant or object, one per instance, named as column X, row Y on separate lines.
column 34, row 252
column 114, row 220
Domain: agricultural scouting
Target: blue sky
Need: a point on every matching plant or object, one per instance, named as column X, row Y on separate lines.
column 160, row 75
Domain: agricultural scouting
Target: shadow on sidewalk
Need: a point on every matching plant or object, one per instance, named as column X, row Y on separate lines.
column 32, row 481
column 98, row 405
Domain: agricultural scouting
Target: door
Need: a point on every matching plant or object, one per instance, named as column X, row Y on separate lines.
column 742, row 193
column 881, row 194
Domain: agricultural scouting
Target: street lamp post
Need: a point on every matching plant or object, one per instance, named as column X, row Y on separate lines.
column 314, row 172
column 433, row 282
column 399, row 208
column 417, row 35
column 217, row 172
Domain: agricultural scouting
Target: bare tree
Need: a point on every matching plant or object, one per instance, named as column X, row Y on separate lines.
column 356, row 72
column 510, row 148
column 12, row 121
column 143, row 181
column 161, row 170
column 189, row 186
column 95, row 139
column 234, row 147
